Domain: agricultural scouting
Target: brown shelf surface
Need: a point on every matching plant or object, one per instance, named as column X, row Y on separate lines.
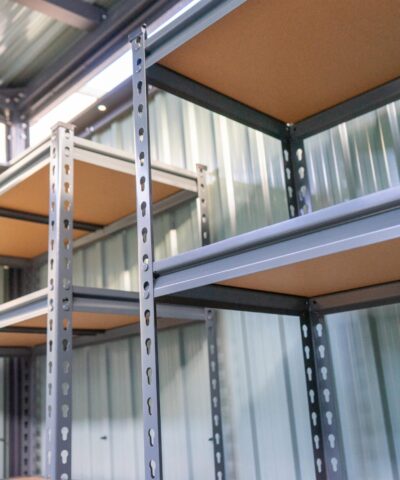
column 104, row 192
column 293, row 59
column 81, row 320
column 357, row 268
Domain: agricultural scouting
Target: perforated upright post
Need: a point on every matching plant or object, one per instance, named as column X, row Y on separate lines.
column 59, row 324
column 295, row 169
column 322, row 401
column 216, row 417
column 148, row 318
column 27, row 414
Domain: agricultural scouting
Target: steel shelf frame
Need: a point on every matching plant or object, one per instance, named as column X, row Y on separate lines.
column 61, row 298
column 190, row 278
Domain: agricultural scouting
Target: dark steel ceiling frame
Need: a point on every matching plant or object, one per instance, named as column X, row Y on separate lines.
column 90, row 52
column 76, row 13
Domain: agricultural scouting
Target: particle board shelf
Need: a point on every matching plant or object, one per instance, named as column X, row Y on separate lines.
column 104, row 192
column 96, row 311
column 348, row 246
column 291, row 59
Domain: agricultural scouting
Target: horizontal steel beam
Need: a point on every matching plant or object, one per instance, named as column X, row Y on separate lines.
column 345, row 111
column 120, row 333
column 14, row 351
column 76, row 13
column 89, row 53
column 35, row 218
column 385, row 294
column 43, row 331
column 231, row 298
column 194, row 92
column 361, row 222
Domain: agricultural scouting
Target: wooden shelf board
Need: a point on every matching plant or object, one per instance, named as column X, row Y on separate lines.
column 360, row 267
column 81, row 320
column 293, row 59
column 101, row 195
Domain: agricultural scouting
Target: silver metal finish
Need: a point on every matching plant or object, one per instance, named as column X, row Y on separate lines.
column 216, row 416
column 27, row 412
column 59, row 326
column 148, row 318
column 354, row 224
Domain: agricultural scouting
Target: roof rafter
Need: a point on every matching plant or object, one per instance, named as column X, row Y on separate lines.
column 76, row 13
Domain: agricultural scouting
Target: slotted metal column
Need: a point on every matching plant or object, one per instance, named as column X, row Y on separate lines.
column 59, row 323
column 148, row 318
column 322, row 401
column 321, row 393
column 295, row 168
column 216, row 417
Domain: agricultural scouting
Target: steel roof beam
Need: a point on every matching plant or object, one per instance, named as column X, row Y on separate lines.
column 90, row 52
column 76, row 13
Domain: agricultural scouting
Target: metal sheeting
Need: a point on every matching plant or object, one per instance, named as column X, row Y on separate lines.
column 29, row 41
column 107, row 413
column 366, row 359
column 348, row 161
column 263, row 384
column 355, row 158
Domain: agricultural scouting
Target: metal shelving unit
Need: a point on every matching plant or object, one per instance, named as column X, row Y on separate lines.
column 337, row 259
column 63, row 190
column 221, row 56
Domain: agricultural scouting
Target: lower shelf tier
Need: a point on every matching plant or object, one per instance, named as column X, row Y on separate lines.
column 96, row 312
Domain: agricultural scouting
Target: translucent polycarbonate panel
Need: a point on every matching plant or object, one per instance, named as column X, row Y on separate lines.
column 355, row 158
column 366, row 360
column 107, row 435
column 265, row 411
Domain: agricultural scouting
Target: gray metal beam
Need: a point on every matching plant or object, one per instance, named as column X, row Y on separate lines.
column 14, row 351
column 361, row 222
column 345, row 111
column 43, row 219
column 89, row 53
column 231, row 298
column 385, row 294
column 76, row 13
column 194, row 92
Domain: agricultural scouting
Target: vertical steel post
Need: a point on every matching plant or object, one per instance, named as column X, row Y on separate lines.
column 14, row 412
column 59, row 323
column 324, row 420
column 295, row 169
column 27, row 414
column 216, row 416
column 17, row 133
column 322, row 401
column 148, row 318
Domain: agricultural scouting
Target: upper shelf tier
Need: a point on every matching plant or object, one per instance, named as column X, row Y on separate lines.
column 104, row 192
column 293, row 59
column 352, row 245
column 95, row 311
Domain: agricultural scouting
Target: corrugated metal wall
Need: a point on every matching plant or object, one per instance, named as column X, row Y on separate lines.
column 246, row 188
column 348, row 161
column 263, row 388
